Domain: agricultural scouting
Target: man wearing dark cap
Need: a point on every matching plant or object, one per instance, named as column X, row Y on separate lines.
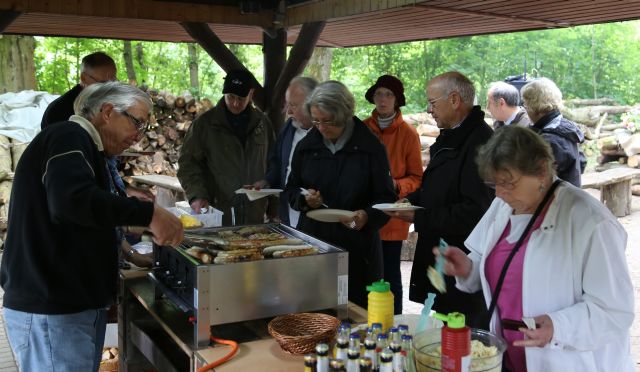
column 224, row 149
column 403, row 150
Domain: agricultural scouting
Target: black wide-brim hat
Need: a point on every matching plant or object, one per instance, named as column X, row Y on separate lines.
column 390, row 82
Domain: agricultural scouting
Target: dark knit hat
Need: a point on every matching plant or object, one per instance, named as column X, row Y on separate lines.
column 390, row 82
column 238, row 82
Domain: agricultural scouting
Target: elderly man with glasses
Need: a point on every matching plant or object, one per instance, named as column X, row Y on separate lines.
column 452, row 194
column 60, row 266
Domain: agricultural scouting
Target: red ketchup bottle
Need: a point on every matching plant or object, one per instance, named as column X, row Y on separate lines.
column 456, row 343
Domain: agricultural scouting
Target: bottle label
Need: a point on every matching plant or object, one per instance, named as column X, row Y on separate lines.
column 343, row 289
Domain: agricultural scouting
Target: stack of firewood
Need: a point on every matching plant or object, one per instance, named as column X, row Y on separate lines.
column 161, row 143
column 612, row 131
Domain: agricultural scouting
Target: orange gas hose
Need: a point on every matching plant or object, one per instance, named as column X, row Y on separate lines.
column 215, row 363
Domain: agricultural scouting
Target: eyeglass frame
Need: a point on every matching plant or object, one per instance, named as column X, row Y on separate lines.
column 328, row 123
column 431, row 103
column 384, row 95
column 100, row 81
column 140, row 125
column 506, row 185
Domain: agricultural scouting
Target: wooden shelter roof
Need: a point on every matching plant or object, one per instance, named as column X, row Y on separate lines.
column 348, row 22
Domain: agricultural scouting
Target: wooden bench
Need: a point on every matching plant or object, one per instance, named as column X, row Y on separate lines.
column 169, row 190
column 615, row 188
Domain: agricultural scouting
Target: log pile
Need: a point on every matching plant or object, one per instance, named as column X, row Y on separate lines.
column 612, row 131
column 161, row 143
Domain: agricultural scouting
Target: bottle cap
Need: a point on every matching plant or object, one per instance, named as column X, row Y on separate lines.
column 454, row 320
column 380, row 286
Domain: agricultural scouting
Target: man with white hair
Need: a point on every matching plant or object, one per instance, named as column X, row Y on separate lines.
column 452, row 195
column 60, row 263
column 503, row 103
column 295, row 129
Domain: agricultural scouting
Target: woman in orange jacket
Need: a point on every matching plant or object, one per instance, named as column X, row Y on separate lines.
column 403, row 149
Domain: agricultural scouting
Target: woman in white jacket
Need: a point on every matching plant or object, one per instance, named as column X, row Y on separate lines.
column 560, row 254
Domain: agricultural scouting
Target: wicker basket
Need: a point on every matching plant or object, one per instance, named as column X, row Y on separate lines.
column 299, row 333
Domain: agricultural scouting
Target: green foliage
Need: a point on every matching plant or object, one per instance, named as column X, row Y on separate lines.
column 586, row 62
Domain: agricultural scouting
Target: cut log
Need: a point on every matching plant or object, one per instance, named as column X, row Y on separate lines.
column 180, row 102
column 596, row 133
column 17, row 148
column 591, row 102
column 607, row 142
column 6, row 164
column 635, row 190
column 634, row 161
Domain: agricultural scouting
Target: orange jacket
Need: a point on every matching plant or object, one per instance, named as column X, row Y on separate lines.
column 403, row 150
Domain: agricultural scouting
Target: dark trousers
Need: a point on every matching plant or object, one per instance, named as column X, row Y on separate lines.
column 391, row 257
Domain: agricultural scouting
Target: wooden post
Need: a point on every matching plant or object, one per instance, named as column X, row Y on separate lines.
column 211, row 43
column 617, row 197
column 7, row 17
column 275, row 56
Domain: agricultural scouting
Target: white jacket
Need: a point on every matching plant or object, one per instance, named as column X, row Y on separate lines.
column 576, row 272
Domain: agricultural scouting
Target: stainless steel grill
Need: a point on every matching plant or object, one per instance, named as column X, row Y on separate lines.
column 219, row 294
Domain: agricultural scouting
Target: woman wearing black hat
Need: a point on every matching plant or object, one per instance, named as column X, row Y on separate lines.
column 403, row 150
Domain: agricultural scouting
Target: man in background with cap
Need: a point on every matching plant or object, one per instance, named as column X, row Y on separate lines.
column 403, row 150
column 224, row 149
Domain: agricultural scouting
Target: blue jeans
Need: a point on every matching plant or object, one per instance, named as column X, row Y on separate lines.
column 391, row 255
column 61, row 342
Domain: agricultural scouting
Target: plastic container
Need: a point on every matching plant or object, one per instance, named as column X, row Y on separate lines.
column 455, row 343
column 427, row 357
column 213, row 218
column 380, row 305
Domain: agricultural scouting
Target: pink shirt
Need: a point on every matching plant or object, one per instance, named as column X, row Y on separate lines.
column 509, row 304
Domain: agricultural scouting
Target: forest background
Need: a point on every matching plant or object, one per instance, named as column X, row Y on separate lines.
column 592, row 61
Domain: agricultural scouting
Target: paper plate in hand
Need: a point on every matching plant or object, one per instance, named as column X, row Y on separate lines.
column 330, row 215
column 393, row 207
column 257, row 194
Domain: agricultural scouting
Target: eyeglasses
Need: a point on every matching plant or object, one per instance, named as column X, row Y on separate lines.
column 100, row 81
column 328, row 123
column 505, row 185
column 432, row 102
column 139, row 124
column 383, row 95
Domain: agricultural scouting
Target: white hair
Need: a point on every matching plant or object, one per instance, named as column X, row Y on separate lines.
column 541, row 96
column 121, row 96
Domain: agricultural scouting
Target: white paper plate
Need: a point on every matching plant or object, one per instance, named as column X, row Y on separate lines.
column 257, row 194
column 330, row 215
column 391, row 207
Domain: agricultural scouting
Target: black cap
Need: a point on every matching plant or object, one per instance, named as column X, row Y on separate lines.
column 238, row 82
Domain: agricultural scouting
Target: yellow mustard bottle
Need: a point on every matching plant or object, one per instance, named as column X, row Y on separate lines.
column 380, row 306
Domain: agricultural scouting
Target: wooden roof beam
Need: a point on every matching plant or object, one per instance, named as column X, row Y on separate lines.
column 144, row 9
column 211, row 43
column 543, row 22
column 327, row 9
column 7, row 17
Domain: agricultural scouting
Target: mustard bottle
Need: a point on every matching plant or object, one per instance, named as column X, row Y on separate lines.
column 380, row 306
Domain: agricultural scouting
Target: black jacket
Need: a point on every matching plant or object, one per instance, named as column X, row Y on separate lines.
column 61, row 108
column 60, row 254
column 563, row 136
column 277, row 166
column 454, row 198
column 356, row 177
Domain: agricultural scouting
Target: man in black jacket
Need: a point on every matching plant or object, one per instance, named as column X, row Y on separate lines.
column 60, row 261
column 453, row 195
column 96, row 67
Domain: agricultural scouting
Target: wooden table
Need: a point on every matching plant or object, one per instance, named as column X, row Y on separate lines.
column 152, row 333
column 615, row 188
column 169, row 190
